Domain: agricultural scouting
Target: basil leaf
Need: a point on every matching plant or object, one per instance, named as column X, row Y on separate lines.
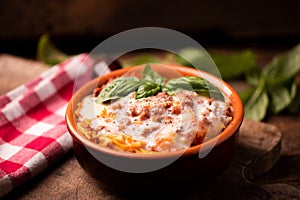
column 148, row 89
column 282, row 96
column 119, row 87
column 48, row 53
column 180, row 84
column 197, row 84
column 234, row 65
column 283, row 67
column 279, row 98
column 197, row 58
column 150, row 75
column 253, row 77
column 256, row 107
column 229, row 66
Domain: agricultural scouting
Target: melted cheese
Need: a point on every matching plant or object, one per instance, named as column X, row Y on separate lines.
column 153, row 124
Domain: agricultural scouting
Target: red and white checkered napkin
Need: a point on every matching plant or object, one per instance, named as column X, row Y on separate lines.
column 33, row 133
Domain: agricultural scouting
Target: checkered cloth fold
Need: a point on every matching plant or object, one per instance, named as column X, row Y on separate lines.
column 33, row 133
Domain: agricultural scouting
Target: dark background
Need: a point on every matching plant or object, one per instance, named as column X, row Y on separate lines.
column 79, row 25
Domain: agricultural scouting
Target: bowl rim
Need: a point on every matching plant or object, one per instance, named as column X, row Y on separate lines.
column 230, row 130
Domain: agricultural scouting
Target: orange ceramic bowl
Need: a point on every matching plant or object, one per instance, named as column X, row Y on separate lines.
column 184, row 165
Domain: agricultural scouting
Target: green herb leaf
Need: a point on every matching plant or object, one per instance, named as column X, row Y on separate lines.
column 282, row 96
column 278, row 90
column 283, row 67
column 279, row 98
column 48, row 53
column 153, row 83
column 256, row 107
column 234, row 65
column 148, row 89
column 118, row 88
column 192, row 55
column 197, row 58
column 229, row 66
column 150, row 75
column 253, row 77
column 197, row 84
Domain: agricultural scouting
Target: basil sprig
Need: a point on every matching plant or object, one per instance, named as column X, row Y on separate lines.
column 152, row 83
column 274, row 87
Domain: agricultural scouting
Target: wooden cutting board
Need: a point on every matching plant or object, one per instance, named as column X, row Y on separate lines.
column 258, row 149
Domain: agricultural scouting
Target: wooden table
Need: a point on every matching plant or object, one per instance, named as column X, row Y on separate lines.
column 67, row 180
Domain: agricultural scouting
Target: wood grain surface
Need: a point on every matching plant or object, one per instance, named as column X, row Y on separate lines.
column 266, row 164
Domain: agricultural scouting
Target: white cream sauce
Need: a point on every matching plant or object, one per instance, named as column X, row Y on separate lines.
column 163, row 122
